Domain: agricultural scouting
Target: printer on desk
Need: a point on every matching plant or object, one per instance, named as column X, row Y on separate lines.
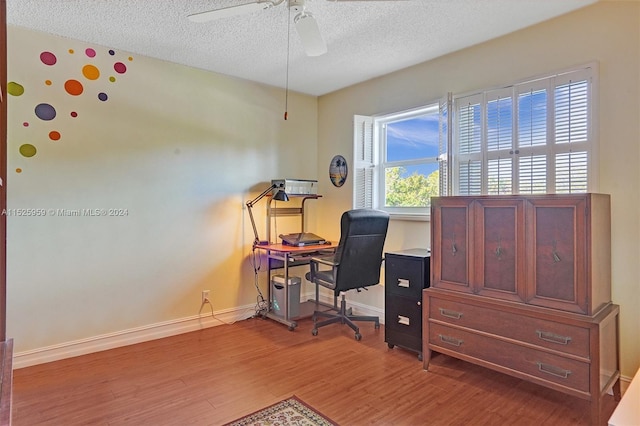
column 296, row 186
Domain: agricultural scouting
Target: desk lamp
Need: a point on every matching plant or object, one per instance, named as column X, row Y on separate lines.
column 278, row 196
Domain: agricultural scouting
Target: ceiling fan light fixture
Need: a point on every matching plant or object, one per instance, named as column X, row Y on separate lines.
column 310, row 34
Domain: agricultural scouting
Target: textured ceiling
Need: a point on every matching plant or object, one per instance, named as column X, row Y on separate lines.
column 365, row 39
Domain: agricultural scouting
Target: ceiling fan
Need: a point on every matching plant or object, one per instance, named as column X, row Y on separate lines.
column 305, row 22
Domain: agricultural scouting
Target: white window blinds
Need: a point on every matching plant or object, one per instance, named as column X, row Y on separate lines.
column 533, row 137
column 364, row 165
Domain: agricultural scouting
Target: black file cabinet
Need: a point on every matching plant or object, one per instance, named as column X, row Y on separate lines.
column 406, row 275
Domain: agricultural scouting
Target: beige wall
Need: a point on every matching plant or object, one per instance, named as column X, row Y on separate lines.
column 180, row 149
column 183, row 149
column 608, row 33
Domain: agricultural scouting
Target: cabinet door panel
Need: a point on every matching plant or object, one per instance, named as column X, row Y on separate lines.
column 558, row 254
column 452, row 240
column 500, row 249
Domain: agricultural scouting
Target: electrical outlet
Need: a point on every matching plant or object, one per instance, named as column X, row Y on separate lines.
column 205, row 296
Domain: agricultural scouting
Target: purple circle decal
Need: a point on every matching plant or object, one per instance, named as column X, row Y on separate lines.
column 45, row 112
column 90, row 52
column 102, row 96
column 48, row 58
column 111, row 52
column 120, row 67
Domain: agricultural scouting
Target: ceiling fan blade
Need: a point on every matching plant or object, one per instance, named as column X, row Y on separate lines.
column 230, row 11
column 310, row 35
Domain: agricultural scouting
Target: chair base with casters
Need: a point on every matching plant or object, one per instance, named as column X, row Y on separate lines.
column 343, row 316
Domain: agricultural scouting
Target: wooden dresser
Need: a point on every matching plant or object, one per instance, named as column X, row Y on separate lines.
column 522, row 285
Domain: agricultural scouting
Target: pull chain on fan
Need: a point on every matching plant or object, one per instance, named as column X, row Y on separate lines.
column 286, row 88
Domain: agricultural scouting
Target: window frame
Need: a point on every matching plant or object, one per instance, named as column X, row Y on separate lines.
column 370, row 163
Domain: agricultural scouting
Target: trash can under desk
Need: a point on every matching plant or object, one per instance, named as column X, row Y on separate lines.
column 277, row 295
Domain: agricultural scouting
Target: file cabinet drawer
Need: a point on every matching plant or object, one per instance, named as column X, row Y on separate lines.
column 403, row 315
column 406, row 274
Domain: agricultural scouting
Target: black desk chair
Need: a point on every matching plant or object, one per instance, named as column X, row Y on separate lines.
column 354, row 265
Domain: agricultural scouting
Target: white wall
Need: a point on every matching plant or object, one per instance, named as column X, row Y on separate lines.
column 180, row 149
column 608, row 33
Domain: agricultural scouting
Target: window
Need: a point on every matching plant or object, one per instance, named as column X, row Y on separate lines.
column 529, row 138
column 533, row 137
column 399, row 160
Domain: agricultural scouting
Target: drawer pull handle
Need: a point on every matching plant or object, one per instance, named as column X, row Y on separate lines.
column 450, row 314
column 404, row 283
column 556, row 256
column 403, row 320
column 553, row 338
column 450, row 340
column 553, row 370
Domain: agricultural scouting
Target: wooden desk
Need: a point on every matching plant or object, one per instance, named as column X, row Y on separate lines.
column 281, row 256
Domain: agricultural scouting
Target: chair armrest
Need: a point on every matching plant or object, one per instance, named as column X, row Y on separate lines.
column 326, row 260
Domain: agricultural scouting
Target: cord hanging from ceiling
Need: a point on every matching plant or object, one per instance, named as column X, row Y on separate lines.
column 286, row 89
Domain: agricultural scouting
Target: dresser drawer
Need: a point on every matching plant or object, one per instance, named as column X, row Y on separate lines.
column 406, row 275
column 554, row 335
column 534, row 363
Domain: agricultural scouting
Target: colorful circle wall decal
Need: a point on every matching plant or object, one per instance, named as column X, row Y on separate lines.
column 72, row 84
column 14, row 88
column 73, row 87
column 120, row 67
column 45, row 112
column 90, row 72
column 28, row 150
column 48, row 58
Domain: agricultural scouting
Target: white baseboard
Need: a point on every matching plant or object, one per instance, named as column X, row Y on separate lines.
column 129, row 337
column 153, row 331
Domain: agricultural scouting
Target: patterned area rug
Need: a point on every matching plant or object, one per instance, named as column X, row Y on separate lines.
column 289, row 412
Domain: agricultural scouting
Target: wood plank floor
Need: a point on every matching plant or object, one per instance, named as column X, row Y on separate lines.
column 216, row 375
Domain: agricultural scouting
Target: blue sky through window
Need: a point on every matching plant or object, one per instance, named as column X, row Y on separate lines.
column 413, row 139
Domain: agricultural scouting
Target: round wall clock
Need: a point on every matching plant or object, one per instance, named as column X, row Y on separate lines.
column 338, row 170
